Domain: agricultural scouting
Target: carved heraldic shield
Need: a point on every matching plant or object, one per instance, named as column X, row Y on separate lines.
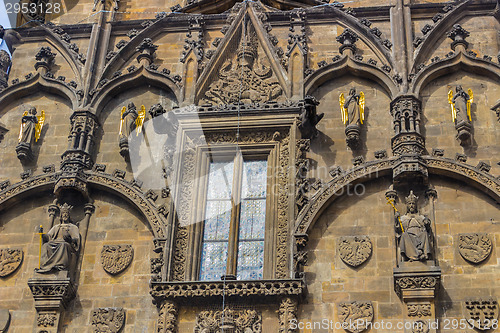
column 355, row 250
column 474, row 247
column 355, row 315
column 481, row 313
column 116, row 258
column 10, row 260
column 108, row 320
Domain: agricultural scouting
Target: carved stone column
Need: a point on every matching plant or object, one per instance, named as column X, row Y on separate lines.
column 408, row 142
column 167, row 320
column 287, row 315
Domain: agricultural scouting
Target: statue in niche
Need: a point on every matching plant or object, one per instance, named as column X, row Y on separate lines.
column 60, row 245
column 130, row 120
column 29, row 133
column 353, row 115
column 413, row 232
column 460, row 104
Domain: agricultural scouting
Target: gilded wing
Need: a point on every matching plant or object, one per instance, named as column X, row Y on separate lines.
column 469, row 103
column 361, row 107
column 343, row 111
column 453, row 110
column 140, row 119
column 121, row 118
column 39, row 125
column 21, row 128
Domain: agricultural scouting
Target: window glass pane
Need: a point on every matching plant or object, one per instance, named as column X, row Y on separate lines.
column 220, row 180
column 252, row 219
column 213, row 260
column 250, row 260
column 217, row 220
column 254, row 179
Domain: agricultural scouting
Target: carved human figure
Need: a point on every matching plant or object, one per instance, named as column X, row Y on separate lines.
column 461, row 100
column 128, row 118
column 5, row 64
column 28, row 127
column 353, row 107
column 413, row 231
column 60, row 244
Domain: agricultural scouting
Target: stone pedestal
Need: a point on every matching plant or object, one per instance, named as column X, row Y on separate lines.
column 352, row 135
column 416, row 283
column 51, row 292
column 24, row 152
column 464, row 131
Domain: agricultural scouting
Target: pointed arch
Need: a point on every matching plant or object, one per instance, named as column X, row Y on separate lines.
column 14, row 194
column 460, row 61
column 141, row 76
column 347, row 65
column 36, row 84
column 436, row 165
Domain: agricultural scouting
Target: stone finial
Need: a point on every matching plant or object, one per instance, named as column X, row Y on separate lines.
column 147, row 49
column 347, row 38
column 458, row 35
column 45, row 59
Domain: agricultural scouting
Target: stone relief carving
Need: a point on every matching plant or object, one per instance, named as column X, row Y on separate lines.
column 356, row 313
column 46, row 319
column 415, row 282
column 107, row 320
column 481, row 313
column 413, row 232
column 250, row 80
column 116, row 258
column 29, row 133
column 228, row 320
column 420, row 326
column 474, row 247
column 287, row 313
column 419, row 309
column 167, row 321
column 309, row 118
column 4, row 320
column 355, row 250
column 353, row 115
column 10, row 260
column 5, row 64
column 60, row 245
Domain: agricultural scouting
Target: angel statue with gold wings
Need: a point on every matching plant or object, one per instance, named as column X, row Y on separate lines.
column 29, row 133
column 131, row 120
column 352, row 109
column 31, row 126
column 460, row 104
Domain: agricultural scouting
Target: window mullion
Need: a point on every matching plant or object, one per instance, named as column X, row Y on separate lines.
column 232, row 255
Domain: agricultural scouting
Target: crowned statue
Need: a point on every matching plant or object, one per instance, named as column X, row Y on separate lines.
column 60, row 245
column 413, row 231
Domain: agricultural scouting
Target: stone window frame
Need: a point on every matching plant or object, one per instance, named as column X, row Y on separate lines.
column 268, row 150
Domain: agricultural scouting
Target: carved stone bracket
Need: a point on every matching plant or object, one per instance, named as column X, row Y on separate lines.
column 208, row 291
column 51, row 297
column 167, row 321
column 417, row 282
column 287, row 313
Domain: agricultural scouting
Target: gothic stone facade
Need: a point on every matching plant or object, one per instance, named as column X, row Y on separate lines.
column 265, row 76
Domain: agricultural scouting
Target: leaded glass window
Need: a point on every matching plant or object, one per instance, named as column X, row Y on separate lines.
column 234, row 224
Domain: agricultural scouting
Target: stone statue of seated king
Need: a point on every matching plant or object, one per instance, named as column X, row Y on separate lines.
column 60, row 245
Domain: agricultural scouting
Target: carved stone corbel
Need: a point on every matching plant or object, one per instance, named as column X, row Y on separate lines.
column 458, row 36
column 287, row 314
column 147, row 52
column 348, row 38
column 167, row 320
column 45, row 60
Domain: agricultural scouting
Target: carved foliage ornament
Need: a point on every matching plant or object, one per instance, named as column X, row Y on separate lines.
column 107, row 320
column 355, row 250
column 474, row 247
column 419, row 309
column 355, row 315
column 10, row 260
column 228, row 320
column 482, row 314
column 116, row 258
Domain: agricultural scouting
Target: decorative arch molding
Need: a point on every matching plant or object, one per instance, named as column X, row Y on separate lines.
column 139, row 77
column 36, row 84
column 459, row 61
column 436, row 165
column 64, row 51
column 425, row 49
column 347, row 65
column 209, row 6
column 12, row 194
